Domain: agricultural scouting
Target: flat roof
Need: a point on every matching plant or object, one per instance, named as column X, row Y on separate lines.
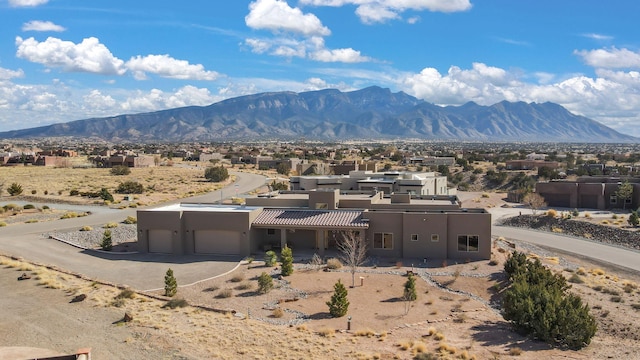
column 206, row 207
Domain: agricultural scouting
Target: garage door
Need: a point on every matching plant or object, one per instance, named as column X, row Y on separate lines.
column 589, row 201
column 557, row 200
column 217, row 242
column 160, row 241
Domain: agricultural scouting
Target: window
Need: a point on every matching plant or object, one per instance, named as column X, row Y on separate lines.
column 627, row 201
column 383, row 241
column 613, row 199
column 322, row 206
column 414, row 237
column 468, row 243
column 271, row 231
column 435, row 237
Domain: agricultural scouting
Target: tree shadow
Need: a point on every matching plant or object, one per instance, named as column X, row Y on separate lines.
column 503, row 334
column 320, row 316
column 392, row 300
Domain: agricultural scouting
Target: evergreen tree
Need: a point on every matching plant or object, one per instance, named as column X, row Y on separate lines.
column 170, row 283
column 286, row 258
column 410, row 293
column 634, row 219
column 265, row 283
column 339, row 304
column 107, row 242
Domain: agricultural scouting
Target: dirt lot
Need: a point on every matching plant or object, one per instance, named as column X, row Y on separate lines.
column 448, row 320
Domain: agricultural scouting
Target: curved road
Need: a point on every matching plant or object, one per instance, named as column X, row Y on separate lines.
column 28, row 241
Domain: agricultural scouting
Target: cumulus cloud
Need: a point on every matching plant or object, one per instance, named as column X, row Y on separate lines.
column 27, row 3
column 37, row 25
column 166, row 66
column 157, row 99
column 6, row 74
column 610, row 58
column 377, row 11
column 312, row 48
column 88, row 56
column 278, row 16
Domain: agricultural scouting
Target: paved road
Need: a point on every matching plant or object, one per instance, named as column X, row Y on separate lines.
column 142, row 271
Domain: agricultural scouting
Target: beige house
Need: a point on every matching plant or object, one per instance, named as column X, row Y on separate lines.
column 395, row 226
column 589, row 192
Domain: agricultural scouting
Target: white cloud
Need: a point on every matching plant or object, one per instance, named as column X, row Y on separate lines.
column 88, row 56
column 338, row 55
column 610, row 58
column 278, row 16
column 312, row 48
column 37, row 25
column 166, row 66
column 157, row 99
column 6, row 74
column 27, row 3
column 375, row 11
column 599, row 37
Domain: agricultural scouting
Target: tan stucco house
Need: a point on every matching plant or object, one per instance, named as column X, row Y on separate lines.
column 395, row 226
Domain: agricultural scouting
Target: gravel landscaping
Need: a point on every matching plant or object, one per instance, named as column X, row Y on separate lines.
column 123, row 236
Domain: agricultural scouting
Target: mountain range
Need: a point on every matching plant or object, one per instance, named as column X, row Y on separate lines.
column 370, row 113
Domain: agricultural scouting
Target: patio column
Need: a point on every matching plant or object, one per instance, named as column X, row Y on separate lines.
column 283, row 238
column 320, row 240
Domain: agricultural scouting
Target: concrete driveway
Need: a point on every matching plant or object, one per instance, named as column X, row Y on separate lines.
column 141, row 271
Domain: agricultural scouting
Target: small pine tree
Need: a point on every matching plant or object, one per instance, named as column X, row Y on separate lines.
column 170, row 283
column 270, row 258
column 634, row 219
column 265, row 283
column 286, row 257
column 14, row 189
column 410, row 293
column 107, row 242
column 339, row 304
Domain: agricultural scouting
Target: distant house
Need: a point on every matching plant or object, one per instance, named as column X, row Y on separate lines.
column 133, row 161
column 431, row 160
column 57, row 161
column 589, row 192
column 530, row 164
column 395, row 226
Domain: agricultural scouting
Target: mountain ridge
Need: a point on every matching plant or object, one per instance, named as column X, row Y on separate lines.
column 330, row 114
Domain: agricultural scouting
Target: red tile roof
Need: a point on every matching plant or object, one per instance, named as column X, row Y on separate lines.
column 311, row 218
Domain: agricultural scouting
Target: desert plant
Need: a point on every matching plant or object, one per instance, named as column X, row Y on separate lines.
column 14, row 189
column 175, row 303
column 29, row 206
column 634, row 219
column 410, row 293
column 237, row 277
column 277, row 313
column 339, row 304
column 110, row 225
column 130, row 220
column 270, row 258
column 105, row 195
column 552, row 213
column 107, row 242
column 130, row 187
column 3, row 224
column 216, row 173
column 265, row 283
column 225, row 293
column 33, row 192
column 334, row 263
column 170, row 283
column 126, row 294
column 86, row 228
column 120, row 170
column 286, row 259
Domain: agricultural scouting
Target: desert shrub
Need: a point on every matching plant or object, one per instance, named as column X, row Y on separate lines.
column 216, row 173
column 86, row 228
column 130, row 187
column 515, row 264
column 237, row 277
column 29, row 206
column 334, row 263
column 120, row 170
column 270, row 258
column 126, row 294
column 327, row 332
column 616, row 299
column 316, row 260
column 170, row 283
column 176, row 303
column 538, row 303
column 69, row 215
column 635, row 306
column 31, row 221
column 107, row 242
column 634, row 219
column 515, row 351
column 13, row 207
column 339, row 304
column 33, row 192
column 244, row 286
column 286, row 258
column 74, row 192
column 130, row 220
column 3, row 224
column 265, row 283
column 14, row 189
column 552, row 213
column 277, row 313
column 110, row 225
column 576, row 279
column 485, row 195
column 105, row 195
column 225, row 293
column 45, row 207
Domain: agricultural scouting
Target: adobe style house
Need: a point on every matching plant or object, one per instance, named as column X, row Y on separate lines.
column 416, row 183
column 395, row 226
column 591, row 192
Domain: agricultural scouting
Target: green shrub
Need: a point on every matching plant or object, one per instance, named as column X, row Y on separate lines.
column 538, row 303
column 130, row 187
column 29, row 206
column 33, row 192
column 45, row 207
column 216, row 173
column 265, row 283
column 270, row 258
column 120, row 170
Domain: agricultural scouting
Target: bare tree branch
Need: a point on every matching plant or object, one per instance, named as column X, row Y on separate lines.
column 353, row 247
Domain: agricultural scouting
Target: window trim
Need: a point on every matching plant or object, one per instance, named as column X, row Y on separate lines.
column 383, row 238
column 467, row 242
column 613, row 199
column 415, row 237
column 435, row 237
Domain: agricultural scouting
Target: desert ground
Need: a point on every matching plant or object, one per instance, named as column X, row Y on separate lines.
column 455, row 315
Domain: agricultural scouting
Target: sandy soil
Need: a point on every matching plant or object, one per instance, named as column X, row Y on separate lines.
column 463, row 326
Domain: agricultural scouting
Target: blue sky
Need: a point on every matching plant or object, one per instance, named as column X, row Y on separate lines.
column 63, row 60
